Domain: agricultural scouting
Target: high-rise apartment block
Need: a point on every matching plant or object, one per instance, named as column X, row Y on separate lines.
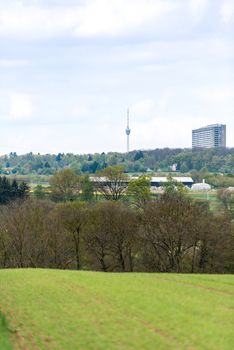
column 209, row 136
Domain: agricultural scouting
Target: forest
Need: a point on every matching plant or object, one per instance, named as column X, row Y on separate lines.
column 123, row 229
column 220, row 160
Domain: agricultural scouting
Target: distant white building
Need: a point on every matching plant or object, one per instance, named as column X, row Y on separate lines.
column 174, row 167
column 203, row 186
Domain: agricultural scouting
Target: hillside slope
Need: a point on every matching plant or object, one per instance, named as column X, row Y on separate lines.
column 69, row 310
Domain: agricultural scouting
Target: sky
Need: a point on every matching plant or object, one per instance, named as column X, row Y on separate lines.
column 70, row 69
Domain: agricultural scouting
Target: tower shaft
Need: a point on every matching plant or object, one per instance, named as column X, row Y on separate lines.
column 128, row 130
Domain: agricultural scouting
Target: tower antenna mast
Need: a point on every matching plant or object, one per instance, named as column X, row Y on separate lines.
column 128, row 130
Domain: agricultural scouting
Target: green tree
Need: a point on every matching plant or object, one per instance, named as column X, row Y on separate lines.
column 173, row 186
column 64, row 185
column 139, row 190
column 86, row 187
column 39, row 192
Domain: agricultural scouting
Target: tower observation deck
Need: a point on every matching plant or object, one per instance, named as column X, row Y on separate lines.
column 128, row 130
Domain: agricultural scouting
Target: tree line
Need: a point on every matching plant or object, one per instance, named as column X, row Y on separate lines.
column 123, row 229
column 158, row 160
column 172, row 233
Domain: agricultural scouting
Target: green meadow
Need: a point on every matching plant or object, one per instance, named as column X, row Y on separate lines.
column 210, row 196
column 70, row 310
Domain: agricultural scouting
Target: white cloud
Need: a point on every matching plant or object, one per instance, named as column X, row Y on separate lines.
column 165, row 100
column 82, row 87
column 80, row 110
column 216, row 95
column 13, row 63
column 198, row 7
column 93, row 18
column 21, row 106
column 142, row 109
column 18, row 19
column 162, row 132
column 227, row 10
column 197, row 10
column 111, row 17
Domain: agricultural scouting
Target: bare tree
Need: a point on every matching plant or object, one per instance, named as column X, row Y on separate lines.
column 5, row 246
column 60, row 252
column 111, row 182
column 73, row 216
column 98, row 236
column 216, row 245
column 170, row 226
column 124, row 235
column 173, row 234
column 111, row 235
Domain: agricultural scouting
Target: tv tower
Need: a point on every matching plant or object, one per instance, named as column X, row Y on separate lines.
column 128, row 130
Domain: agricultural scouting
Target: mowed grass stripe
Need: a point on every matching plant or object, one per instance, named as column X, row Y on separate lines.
column 191, row 315
column 208, row 285
column 88, row 310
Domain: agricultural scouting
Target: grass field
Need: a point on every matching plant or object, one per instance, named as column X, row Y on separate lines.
column 4, row 334
column 211, row 196
column 69, row 310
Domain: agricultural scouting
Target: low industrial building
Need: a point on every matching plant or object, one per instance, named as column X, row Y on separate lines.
column 155, row 181
column 160, row 181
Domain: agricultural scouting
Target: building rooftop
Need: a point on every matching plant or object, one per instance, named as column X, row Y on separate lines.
column 158, row 179
column 211, row 126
